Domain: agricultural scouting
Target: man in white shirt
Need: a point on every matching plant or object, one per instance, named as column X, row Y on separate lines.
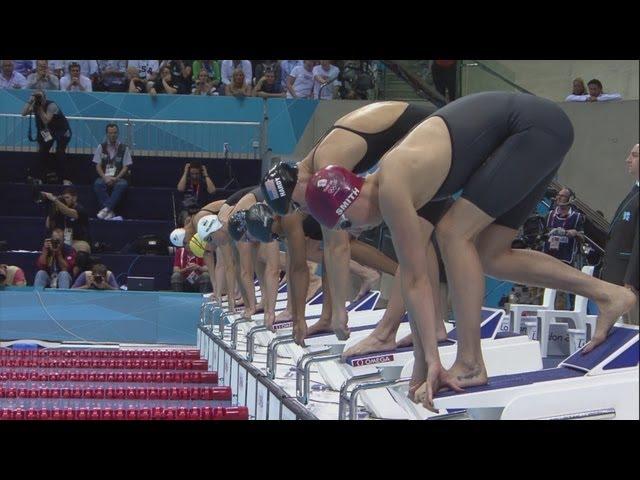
column 9, row 78
column 228, row 66
column 147, row 70
column 300, row 81
column 74, row 81
column 595, row 94
column 325, row 78
column 286, row 67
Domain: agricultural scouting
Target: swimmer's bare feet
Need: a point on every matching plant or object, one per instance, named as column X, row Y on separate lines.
column 619, row 301
column 339, row 325
column 457, row 377
column 405, row 341
column 321, row 326
column 374, row 342
column 284, row 316
column 315, row 283
column 369, row 281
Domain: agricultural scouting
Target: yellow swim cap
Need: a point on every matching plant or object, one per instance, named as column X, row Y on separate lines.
column 197, row 246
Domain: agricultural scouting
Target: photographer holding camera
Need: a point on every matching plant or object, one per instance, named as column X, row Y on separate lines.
column 70, row 216
column 112, row 160
column 98, row 278
column 195, row 179
column 55, row 262
column 52, row 126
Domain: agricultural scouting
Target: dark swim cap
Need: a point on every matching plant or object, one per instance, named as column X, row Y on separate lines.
column 277, row 186
column 238, row 225
column 260, row 221
column 330, row 192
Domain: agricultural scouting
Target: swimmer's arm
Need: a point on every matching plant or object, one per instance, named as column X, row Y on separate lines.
column 220, row 278
column 244, row 203
column 245, row 252
column 337, row 253
column 272, row 268
column 210, row 266
column 298, row 274
column 229, row 274
column 407, row 234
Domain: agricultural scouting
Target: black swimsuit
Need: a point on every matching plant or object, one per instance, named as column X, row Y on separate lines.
column 506, row 148
column 379, row 143
column 312, row 228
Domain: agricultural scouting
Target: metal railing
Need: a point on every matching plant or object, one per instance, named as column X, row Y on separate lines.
column 476, row 76
column 147, row 137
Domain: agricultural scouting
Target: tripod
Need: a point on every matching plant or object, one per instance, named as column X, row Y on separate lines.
column 228, row 169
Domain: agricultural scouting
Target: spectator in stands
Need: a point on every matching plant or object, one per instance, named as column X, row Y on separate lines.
column 89, row 68
column 300, row 81
column 184, row 82
column 98, row 278
column 69, row 215
column 147, row 71
column 10, row 78
column 204, row 85
column 112, row 76
column 325, row 78
column 195, row 179
column 56, row 262
column 112, row 160
column 444, row 77
column 189, row 273
column 165, row 83
column 621, row 253
column 11, row 276
column 74, row 81
column 24, row 67
column 268, row 86
column 212, row 69
column 177, row 66
column 286, row 67
column 594, row 95
column 229, row 67
column 564, row 227
column 238, row 86
column 52, row 126
column 42, row 79
column 136, row 84
column 579, row 87
column 262, row 66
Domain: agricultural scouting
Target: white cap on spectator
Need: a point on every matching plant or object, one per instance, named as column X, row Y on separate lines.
column 207, row 226
column 177, row 237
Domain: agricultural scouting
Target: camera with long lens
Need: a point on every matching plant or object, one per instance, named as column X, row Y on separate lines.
column 3, row 277
column 55, row 243
column 98, row 278
column 38, row 97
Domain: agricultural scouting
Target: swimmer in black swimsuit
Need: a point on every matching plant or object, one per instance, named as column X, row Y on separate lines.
column 302, row 238
column 501, row 149
column 357, row 142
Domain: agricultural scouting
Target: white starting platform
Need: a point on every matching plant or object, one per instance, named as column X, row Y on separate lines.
column 278, row 380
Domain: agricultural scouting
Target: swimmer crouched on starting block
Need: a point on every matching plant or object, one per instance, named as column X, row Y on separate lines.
column 502, row 150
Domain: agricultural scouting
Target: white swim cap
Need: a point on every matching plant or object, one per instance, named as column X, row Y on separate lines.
column 177, row 237
column 207, row 226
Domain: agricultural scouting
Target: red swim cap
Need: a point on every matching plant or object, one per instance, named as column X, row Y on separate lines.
column 330, row 192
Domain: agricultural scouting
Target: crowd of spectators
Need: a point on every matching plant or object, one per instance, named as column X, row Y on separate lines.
column 239, row 78
column 592, row 92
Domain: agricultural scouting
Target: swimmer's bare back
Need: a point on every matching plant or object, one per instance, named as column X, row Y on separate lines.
column 345, row 148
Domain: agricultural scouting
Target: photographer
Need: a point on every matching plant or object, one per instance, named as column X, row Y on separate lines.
column 52, row 126
column 195, row 179
column 70, row 216
column 563, row 229
column 42, row 79
column 55, row 262
column 98, row 278
column 112, row 160
column 11, row 276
